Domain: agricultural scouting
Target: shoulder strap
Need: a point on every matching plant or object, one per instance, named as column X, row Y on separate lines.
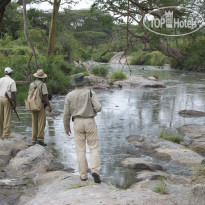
column 91, row 94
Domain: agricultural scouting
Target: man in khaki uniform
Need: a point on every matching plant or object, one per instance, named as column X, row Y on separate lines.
column 39, row 117
column 7, row 84
column 82, row 104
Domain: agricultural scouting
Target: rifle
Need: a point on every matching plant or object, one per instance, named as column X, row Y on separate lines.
column 12, row 105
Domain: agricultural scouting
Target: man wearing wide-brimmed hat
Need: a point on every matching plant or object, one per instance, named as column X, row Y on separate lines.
column 82, row 104
column 39, row 117
column 7, row 84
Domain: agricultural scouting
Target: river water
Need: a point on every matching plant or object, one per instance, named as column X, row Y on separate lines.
column 127, row 112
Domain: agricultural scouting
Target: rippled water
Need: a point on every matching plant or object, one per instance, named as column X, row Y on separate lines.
column 126, row 112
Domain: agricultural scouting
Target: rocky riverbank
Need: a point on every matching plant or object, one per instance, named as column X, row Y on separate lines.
column 96, row 82
column 31, row 175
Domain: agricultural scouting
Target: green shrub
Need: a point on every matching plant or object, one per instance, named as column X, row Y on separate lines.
column 100, row 70
column 22, row 93
column 57, row 80
column 161, row 186
column 106, row 58
column 86, row 74
column 118, row 76
column 140, row 58
column 155, row 58
column 196, row 58
column 168, row 135
column 77, row 69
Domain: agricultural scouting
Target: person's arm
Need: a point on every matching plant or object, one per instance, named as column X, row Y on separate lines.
column 47, row 102
column 95, row 102
column 67, row 116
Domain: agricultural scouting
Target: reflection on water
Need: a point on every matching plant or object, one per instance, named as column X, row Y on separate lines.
column 126, row 112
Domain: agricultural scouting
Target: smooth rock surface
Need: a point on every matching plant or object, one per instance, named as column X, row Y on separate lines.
column 164, row 148
column 118, row 58
column 62, row 188
column 136, row 81
column 140, row 163
column 10, row 147
column 196, row 134
column 30, row 162
column 97, row 82
column 181, row 155
column 191, row 113
column 149, row 175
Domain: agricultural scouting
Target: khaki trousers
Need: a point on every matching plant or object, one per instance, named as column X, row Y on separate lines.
column 85, row 128
column 5, row 117
column 38, row 125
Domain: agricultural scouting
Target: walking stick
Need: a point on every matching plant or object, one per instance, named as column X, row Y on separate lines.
column 12, row 105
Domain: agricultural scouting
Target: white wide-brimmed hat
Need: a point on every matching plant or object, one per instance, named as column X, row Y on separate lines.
column 40, row 74
column 8, row 70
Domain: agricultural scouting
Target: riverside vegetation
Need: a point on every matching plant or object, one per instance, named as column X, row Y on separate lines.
column 81, row 35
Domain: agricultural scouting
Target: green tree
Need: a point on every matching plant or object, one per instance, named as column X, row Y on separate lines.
column 13, row 20
column 134, row 11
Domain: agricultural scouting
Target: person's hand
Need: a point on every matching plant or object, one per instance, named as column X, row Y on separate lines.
column 68, row 133
column 49, row 109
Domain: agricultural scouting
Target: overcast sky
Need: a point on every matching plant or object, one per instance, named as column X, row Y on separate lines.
column 83, row 4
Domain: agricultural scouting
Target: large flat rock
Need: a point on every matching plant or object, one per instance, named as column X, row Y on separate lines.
column 191, row 113
column 150, row 175
column 195, row 134
column 177, row 153
column 96, row 82
column 62, row 188
column 181, row 155
column 30, row 162
column 136, row 81
column 10, row 147
column 140, row 164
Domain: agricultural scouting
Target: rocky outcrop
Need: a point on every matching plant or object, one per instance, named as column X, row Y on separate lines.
column 194, row 136
column 10, row 147
column 140, row 163
column 136, row 81
column 132, row 81
column 35, row 160
column 119, row 58
column 97, row 82
column 175, row 152
column 32, row 172
column 63, row 188
column 191, row 113
column 82, row 64
column 149, row 175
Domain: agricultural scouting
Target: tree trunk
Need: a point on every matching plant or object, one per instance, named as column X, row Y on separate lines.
column 1, row 20
column 3, row 5
column 52, row 31
column 26, row 34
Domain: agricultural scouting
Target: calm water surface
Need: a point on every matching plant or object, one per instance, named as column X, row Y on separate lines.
column 127, row 112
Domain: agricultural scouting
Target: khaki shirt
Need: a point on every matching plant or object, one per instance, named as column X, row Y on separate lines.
column 43, row 89
column 79, row 103
column 7, row 84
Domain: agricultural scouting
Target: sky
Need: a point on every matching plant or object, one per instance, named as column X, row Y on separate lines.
column 83, row 4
